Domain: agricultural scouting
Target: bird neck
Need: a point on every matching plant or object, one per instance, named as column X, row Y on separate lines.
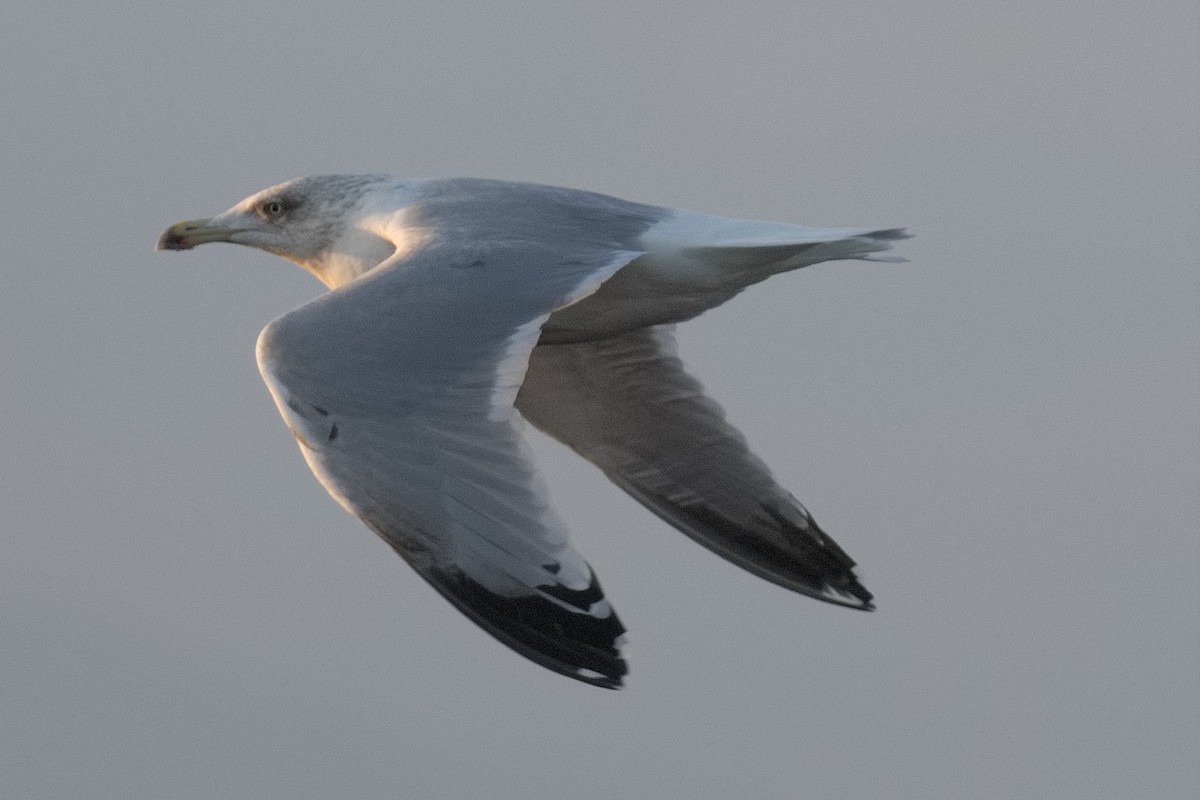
column 354, row 253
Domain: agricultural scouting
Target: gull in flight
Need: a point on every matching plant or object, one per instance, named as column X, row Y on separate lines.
column 459, row 307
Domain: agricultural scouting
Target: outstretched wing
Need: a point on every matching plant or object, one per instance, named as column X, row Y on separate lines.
column 399, row 387
column 626, row 404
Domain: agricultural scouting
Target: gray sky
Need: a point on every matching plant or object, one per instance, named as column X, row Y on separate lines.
column 1004, row 432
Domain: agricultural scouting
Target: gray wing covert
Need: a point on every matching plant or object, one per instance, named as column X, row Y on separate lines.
column 399, row 389
column 626, row 404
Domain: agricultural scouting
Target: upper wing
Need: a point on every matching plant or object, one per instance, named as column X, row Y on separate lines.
column 399, row 387
column 626, row 404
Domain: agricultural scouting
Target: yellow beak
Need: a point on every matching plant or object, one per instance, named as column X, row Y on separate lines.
column 189, row 233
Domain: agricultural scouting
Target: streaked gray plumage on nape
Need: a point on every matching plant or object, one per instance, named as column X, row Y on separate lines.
column 456, row 304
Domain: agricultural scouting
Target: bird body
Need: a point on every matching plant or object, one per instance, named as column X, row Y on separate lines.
column 460, row 307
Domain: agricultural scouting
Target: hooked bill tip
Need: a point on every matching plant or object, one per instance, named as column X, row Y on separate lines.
column 187, row 234
column 173, row 240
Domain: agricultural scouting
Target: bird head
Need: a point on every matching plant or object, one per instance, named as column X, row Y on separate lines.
column 317, row 222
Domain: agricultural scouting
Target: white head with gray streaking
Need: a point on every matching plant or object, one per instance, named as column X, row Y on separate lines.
column 329, row 224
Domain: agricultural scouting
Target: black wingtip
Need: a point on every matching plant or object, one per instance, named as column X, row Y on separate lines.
column 596, row 679
column 848, row 592
column 806, row 560
column 576, row 644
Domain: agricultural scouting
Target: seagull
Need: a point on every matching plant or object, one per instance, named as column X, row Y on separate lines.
column 459, row 308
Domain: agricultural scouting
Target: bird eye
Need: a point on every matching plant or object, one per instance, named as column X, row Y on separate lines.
column 271, row 208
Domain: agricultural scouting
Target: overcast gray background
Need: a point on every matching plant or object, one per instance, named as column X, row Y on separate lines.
column 1004, row 432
